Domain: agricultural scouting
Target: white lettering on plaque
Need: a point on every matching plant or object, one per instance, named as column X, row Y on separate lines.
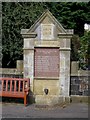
column 47, row 31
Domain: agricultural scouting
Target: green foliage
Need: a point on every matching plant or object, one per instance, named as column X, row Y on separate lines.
column 84, row 53
column 75, row 47
column 18, row 15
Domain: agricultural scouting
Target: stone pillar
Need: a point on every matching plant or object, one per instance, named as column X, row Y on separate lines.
column 19, row 65
column 28, row 57
column 64, row 78
column 64, row 72
column 29, row 65
column 74, row 67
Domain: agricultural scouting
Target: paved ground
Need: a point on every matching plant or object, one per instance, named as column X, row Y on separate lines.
column 73, row 110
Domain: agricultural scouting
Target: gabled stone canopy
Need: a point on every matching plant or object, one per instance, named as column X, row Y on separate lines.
column 48, row 20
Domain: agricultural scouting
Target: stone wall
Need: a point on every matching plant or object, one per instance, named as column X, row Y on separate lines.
column 79, row 85
column 13, row 72
column 79, row 82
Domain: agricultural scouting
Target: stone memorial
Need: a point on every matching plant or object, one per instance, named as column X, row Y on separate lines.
column 47, row 59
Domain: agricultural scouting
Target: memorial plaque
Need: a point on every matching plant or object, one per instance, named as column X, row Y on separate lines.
column 46, row 62
column 47, row 31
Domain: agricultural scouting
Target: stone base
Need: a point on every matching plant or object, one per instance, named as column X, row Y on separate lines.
column 51, row 99
column 63, row 99
column 79, row 99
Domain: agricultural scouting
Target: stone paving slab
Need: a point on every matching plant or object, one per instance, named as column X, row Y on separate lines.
column 73, row 110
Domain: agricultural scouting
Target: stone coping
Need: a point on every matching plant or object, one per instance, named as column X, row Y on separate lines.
column 46, row 78
column 29, row 35
column 65, row 49
column 81, row 73
column 15, row 71
column 10, row 71
column 65, row 35
column 78, row 98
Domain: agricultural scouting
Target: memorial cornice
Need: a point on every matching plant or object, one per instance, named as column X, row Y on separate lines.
column 29, row 35
column 28, row 48
column 65, row 49
column 64, row 35
column 46, row 78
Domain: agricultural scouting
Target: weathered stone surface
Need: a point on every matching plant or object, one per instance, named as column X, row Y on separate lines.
column 47, row 43
column 28, row 43
column 76, row 99
column 74, row 67
column 79, row 85
column 47, row 100
column 64, row 72
column 50, row 34
column 28, row 65
column 19, row 65
column 51, row 85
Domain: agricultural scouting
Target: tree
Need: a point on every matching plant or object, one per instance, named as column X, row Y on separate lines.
column 84, row 53
column 18, row 15
column 75, row 47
